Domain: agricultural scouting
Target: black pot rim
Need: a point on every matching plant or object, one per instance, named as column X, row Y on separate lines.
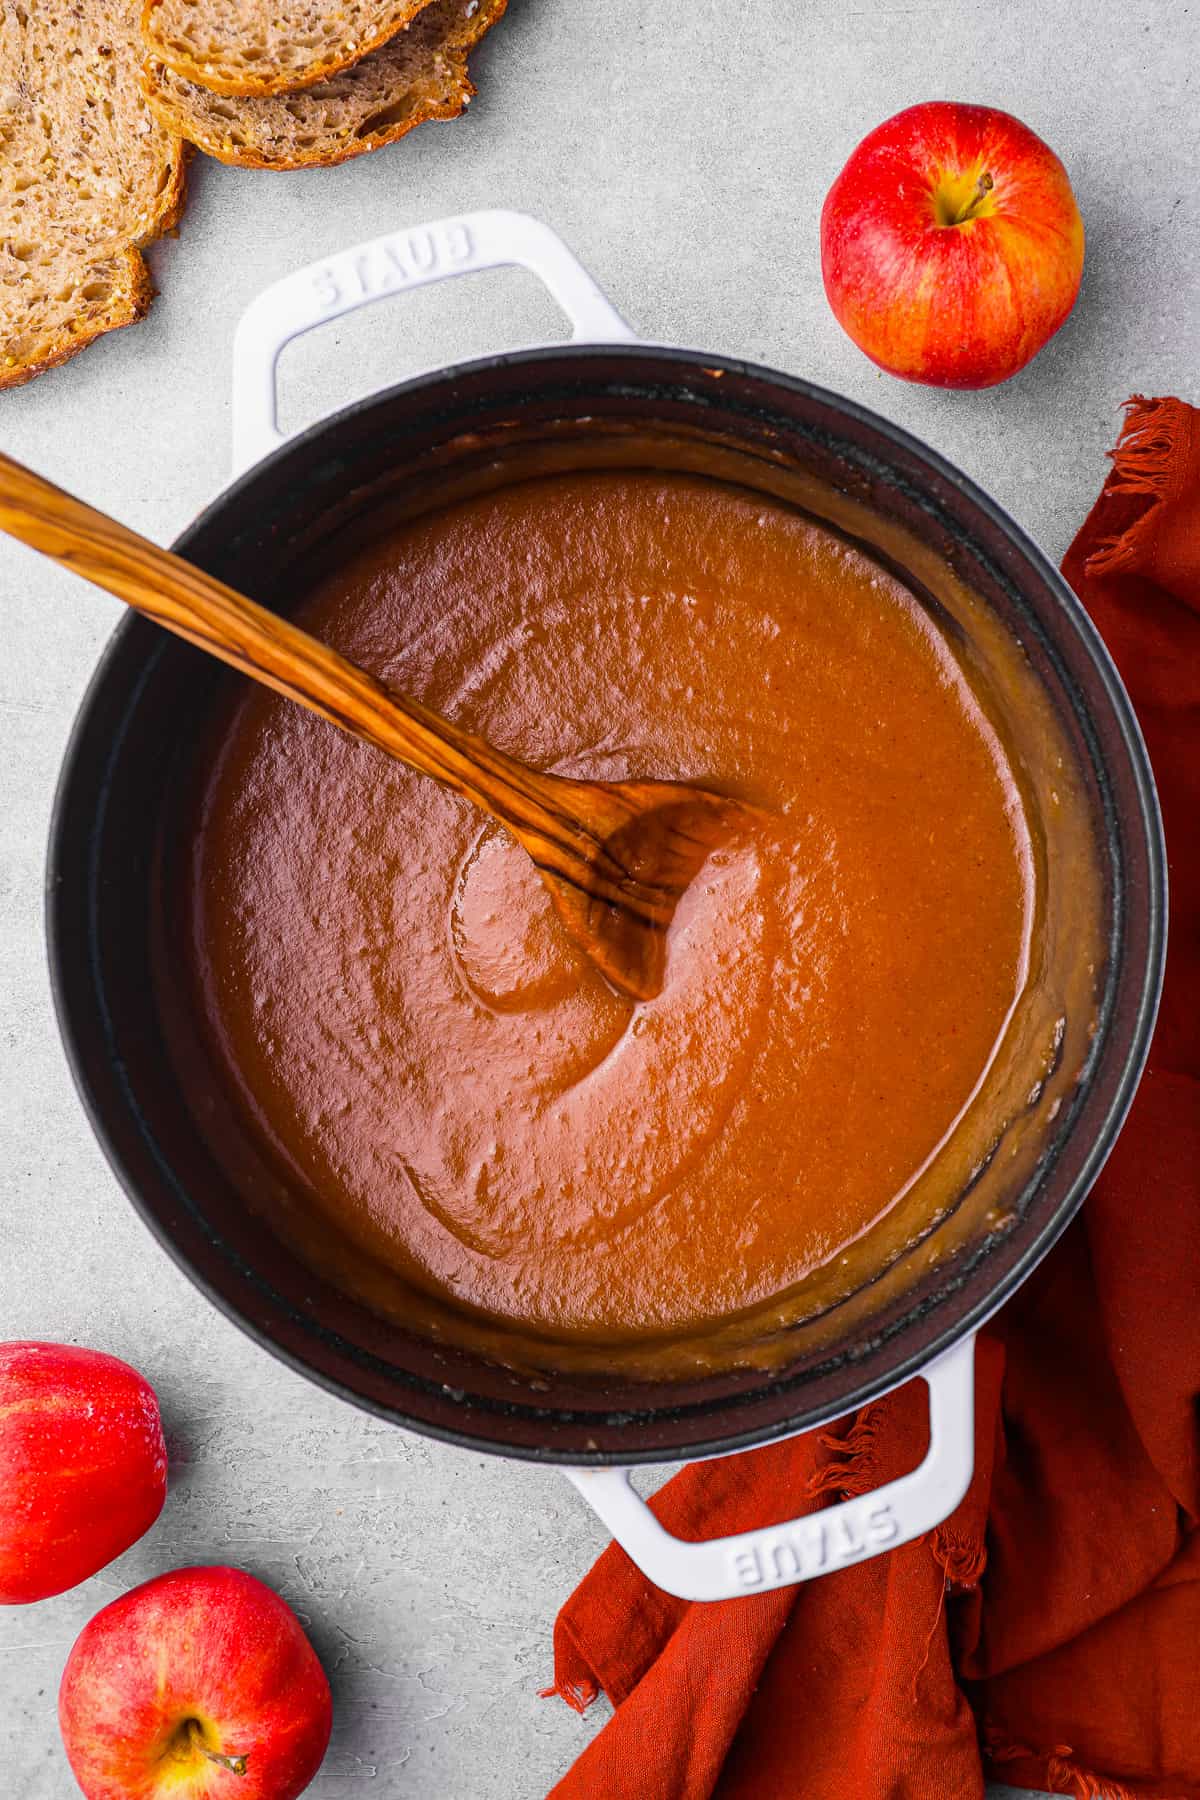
column 969, row 1321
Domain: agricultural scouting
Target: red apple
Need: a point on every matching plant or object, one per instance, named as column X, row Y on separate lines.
column 951, row 245
column 83, row 1466
column 199, row 1685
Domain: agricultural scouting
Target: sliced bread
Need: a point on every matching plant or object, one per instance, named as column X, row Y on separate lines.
column 87, row 174
column 420, row 74
column 268, row 46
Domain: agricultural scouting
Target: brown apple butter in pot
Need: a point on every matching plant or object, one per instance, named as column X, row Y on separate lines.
column 461, row 1111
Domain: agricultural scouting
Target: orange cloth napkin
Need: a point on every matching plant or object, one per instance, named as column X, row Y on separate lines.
column 1048, row 1634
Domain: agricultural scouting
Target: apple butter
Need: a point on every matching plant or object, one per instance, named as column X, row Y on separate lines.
column 460, row 1105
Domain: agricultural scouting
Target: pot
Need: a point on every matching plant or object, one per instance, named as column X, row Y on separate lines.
column 117, row 799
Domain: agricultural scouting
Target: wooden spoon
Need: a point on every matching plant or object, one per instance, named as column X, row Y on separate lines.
column 615, row 855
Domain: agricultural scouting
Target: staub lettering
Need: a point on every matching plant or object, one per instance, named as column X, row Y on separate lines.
column 812, row 1545
column 392, row 263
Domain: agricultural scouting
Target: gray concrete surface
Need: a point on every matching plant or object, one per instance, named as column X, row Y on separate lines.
column 684, row 153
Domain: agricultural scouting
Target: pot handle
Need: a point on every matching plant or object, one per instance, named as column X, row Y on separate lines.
column 752, row 1562
column 415, row 257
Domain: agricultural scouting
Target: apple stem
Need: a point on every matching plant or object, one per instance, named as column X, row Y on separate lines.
column 983, row 188
column 235, row 1764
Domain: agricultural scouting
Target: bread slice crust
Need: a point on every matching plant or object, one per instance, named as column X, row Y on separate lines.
column 256, row 48
column 420, row 74
column 87, row 176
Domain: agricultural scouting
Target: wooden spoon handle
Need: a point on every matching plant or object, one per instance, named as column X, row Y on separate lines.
column 272, row 650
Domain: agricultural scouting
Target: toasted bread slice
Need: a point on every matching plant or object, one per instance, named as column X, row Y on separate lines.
column 260, row 47
column 87, row 174
column 419, row 74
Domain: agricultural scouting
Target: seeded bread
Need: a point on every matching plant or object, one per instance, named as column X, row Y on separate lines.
column 259, row 47
column 420, row 74
column 87, row 174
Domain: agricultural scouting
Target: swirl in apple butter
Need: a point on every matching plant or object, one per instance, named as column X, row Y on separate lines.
column 450, row 1086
